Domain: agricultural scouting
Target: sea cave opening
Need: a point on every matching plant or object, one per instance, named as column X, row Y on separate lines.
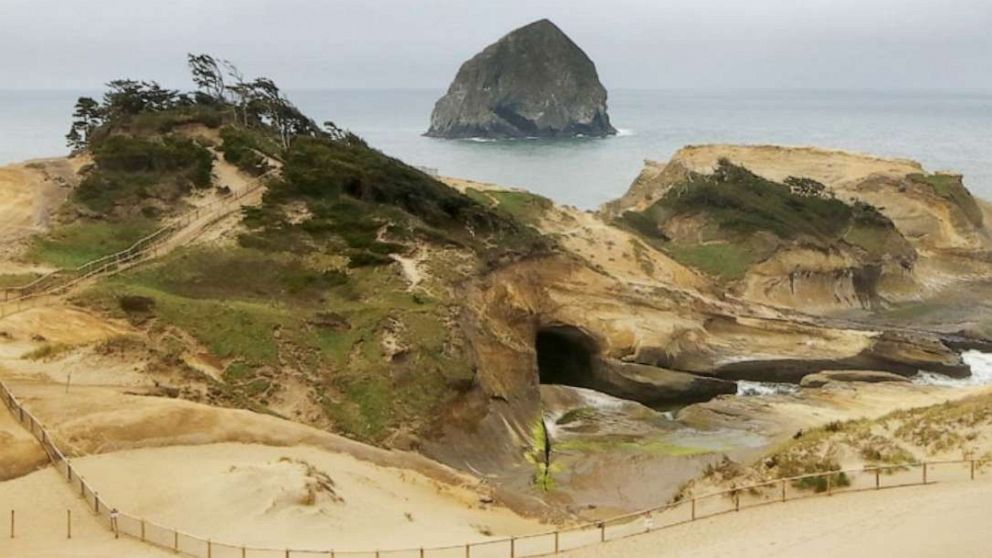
column 565, row 356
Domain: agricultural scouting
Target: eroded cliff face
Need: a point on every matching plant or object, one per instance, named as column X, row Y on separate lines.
column 941, row 232
column 931, row 210
column 646, row 343
column 534, row 82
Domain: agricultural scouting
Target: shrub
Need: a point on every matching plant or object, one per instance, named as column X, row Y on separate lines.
column 170, row 155
column 136, row 304
column 240, row 149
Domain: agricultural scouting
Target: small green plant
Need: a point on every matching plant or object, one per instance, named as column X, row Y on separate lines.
column 47, row 351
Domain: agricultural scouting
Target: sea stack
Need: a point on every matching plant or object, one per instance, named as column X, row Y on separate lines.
column 534, row 82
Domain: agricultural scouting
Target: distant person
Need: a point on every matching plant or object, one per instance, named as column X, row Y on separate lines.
column 114, row 514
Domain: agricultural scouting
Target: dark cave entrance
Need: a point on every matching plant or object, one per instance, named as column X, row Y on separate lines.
column 565, row 356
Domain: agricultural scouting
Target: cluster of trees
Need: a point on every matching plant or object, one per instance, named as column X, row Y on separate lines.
column 220, row 85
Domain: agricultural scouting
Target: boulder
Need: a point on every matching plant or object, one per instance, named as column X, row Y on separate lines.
column 820, row 379
column 534, row 82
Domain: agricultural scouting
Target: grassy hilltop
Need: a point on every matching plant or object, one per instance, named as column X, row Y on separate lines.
column 305, row 310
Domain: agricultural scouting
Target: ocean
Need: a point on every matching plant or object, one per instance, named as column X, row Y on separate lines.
column 944, row 131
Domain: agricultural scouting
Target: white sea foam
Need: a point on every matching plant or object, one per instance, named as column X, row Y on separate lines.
column 747, row 388
column 623, row 132
column 981, row 373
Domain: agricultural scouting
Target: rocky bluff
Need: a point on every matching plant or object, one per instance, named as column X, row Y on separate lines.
column 534, row 82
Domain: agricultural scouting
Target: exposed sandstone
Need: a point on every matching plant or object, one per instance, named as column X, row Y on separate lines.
column 942, row 236
column 822, row 378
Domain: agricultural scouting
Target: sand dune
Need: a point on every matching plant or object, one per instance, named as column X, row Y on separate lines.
column 296, row 497
column 41, row 500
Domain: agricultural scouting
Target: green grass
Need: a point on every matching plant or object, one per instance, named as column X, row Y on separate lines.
column 229, row 328
column 72, row 245
column 739, row 201
column 725, row 260
column 524, row 206
column 736, row 205
column 233, row 301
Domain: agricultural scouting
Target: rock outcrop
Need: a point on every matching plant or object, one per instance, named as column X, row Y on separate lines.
column 820, row 379
column 534, row 82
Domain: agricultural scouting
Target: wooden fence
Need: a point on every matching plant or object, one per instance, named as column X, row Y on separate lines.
column 539, row 544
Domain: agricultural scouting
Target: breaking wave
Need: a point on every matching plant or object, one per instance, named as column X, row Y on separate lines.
column 981, row 373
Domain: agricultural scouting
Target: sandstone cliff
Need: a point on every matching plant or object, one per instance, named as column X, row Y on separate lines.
column 534, row 82
column 938, row 227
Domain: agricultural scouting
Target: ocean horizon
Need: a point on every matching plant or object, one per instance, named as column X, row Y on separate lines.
column 950, row 131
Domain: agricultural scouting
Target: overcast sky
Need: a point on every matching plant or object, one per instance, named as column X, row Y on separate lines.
column 727, row 44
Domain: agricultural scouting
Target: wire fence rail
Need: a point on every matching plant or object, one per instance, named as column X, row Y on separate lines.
column 686, row 510
column 48, row 286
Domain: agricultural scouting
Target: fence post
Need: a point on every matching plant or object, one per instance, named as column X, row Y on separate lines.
column 830, row 484
column 376, row 553
column 556, row 542
column 737, row 501
column 68, row 524
column 142, row 529
column 878, row 478
column 602, row 531
column 783, row 490
column 11, row 523
column 210, row 549
column 972, row 469
column 513, row 547
column 693, row 509
column 244, row 551
column 924, row 472
column 96, row 503
column 175, row 541
column 468, row 551
column 421, row 552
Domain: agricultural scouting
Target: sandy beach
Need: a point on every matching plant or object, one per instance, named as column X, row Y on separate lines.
column 953, row 516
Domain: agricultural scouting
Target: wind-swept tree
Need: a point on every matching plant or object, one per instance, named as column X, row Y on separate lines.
column 278, row 112
column 208, row 75
column 241, row 92
column 87, row 116
column 127, row 97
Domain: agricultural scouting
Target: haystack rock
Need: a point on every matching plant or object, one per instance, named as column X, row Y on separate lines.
column 534, row 82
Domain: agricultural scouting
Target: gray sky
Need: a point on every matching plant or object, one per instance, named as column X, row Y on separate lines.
column 845, row 44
